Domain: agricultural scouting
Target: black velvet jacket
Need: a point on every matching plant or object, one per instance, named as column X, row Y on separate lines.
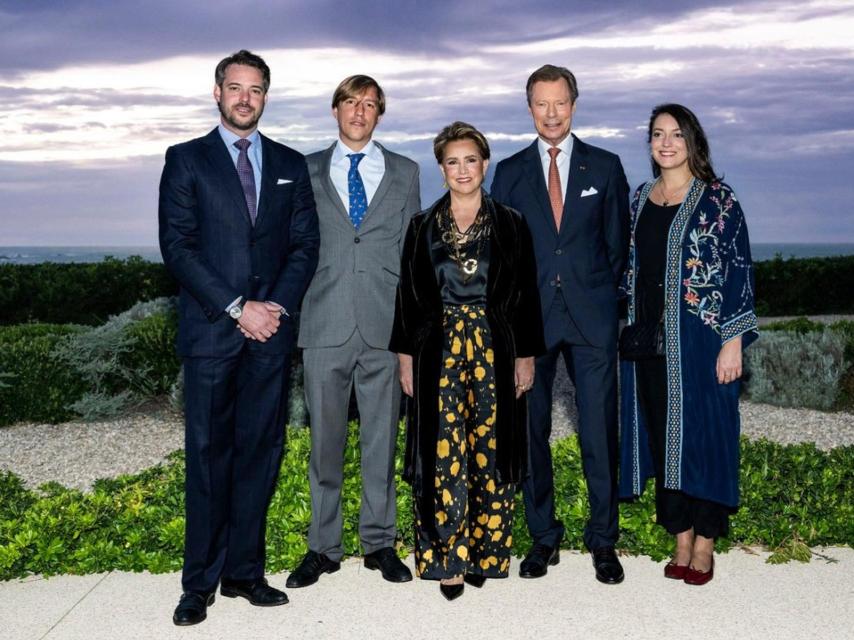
column 515, row 321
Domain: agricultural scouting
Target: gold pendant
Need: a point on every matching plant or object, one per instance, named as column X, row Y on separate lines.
column 470, row 267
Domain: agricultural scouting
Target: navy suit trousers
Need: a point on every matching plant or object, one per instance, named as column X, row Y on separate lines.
column 235, row 429
column 593, row 371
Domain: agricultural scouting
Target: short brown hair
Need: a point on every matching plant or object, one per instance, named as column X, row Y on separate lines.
column 459, row 131
column 550, row 73
column 246, row 58
column 353, row 86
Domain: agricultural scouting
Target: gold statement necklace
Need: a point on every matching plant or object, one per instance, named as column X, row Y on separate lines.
column 455, row 240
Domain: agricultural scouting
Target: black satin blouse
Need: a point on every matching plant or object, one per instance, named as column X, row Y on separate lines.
column 449, row 275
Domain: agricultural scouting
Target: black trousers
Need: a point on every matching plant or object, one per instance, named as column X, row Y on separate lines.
column 675, row 510
column 593, row 371
column 235, row 412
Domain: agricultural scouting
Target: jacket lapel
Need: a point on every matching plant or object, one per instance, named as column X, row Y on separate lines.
column 578, row 180
column 382, row 189
column 269, row 170
column 224, row 165
column 534, row 172
column 328, row 187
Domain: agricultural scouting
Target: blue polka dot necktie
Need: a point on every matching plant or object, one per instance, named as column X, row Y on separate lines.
column 356, row 189
column 247, row 177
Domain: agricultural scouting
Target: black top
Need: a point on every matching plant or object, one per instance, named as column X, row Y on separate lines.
column 454, row 289
column 651, row 247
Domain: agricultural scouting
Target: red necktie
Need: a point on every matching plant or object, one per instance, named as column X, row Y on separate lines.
column 555, row 195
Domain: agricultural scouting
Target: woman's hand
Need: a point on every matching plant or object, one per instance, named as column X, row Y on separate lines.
column 405, row 373
column 728, row 366
column 524, row 375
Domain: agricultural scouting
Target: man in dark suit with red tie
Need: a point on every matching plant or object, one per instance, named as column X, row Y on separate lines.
column 574, row 197
column 238, row 230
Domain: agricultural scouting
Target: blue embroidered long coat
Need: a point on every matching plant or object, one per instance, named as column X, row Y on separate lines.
column 709, row 287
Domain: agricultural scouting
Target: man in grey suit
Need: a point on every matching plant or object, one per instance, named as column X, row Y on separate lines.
column 365, row 197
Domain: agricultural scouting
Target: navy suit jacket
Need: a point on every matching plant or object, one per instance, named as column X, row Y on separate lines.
column 589, row 252
column 211, row 247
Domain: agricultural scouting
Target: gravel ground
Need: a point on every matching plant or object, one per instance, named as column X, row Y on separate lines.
column 77, row 453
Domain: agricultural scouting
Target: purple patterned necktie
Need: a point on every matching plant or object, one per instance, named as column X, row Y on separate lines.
column 247, row 177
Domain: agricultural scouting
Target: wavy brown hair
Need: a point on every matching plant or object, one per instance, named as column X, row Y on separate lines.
column 699, row 157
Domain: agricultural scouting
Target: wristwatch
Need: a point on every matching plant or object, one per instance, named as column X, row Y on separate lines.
column 236, row 311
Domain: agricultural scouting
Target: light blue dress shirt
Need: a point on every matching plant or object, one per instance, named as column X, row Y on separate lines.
column 254, row 152
column 371, row 168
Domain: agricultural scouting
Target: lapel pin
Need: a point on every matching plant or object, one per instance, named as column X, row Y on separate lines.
column 582, row 167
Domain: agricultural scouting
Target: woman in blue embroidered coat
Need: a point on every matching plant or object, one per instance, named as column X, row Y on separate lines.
column 690, row 268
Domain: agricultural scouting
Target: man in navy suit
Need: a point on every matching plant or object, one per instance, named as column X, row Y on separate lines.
column 238, row 230
column 574, row 197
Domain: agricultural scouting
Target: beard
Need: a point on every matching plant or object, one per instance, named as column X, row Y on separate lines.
column 241, row 125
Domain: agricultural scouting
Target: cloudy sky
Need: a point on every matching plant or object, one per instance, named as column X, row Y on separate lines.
column 92, row 93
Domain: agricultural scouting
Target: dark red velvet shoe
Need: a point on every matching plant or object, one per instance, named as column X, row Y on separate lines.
column 697, row 578
column 675, row 571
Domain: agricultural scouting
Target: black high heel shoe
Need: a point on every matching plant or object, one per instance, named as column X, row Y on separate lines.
column 452, row 591
column 474, row 580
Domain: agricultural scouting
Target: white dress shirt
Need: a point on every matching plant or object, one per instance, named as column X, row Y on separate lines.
column 371, row 168
column 562, row 160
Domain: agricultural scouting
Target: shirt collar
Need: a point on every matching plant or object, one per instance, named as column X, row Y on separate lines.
column 565, row 146
column 229, row 137
column 342, row 150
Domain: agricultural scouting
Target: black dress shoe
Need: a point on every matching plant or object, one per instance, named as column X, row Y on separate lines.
column 258, row 592
column 474, row 580
column 389, row 564
column 452, row 591
column 192, row 608
column 309, row 570
column 538, row 561
column 608, row 567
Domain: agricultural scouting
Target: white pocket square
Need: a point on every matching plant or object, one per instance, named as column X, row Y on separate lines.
column 283, row 181
column 589, row 192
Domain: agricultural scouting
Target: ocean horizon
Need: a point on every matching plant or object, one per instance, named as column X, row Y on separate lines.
column 35, row 255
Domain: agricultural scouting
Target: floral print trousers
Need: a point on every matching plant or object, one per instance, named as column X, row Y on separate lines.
column 472, row 514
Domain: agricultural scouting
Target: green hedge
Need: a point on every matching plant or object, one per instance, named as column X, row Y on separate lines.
column 90, row 293
column 81, row 293
column 790, row 494
column 36, row 385
column 805, row 286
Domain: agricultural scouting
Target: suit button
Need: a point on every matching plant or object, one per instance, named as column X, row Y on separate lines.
column 356, row 240
column 552, row 283
column 558, row 252
column 255, row 278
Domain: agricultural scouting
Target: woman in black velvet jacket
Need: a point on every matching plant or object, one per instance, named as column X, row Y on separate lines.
column 467, row 327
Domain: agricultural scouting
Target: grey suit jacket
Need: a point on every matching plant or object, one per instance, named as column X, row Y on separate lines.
column 356, row 278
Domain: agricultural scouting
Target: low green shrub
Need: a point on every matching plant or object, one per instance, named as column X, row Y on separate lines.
column 36, row 385
column 82, row 293
column 136, row 523
column 776, row 373
column 52, row 373
column 791, row 369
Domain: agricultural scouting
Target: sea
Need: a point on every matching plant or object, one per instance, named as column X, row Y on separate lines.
column 35, row 255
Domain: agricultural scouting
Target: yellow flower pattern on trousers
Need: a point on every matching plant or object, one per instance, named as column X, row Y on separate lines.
column 472, row 514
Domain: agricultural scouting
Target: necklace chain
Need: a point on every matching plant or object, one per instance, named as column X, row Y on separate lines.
column 455, row 239
column 664, row 197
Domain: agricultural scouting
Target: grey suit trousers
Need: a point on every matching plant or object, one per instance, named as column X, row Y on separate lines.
column 330, row 375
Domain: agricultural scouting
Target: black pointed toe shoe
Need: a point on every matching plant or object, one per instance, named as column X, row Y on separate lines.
column 452, row 591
